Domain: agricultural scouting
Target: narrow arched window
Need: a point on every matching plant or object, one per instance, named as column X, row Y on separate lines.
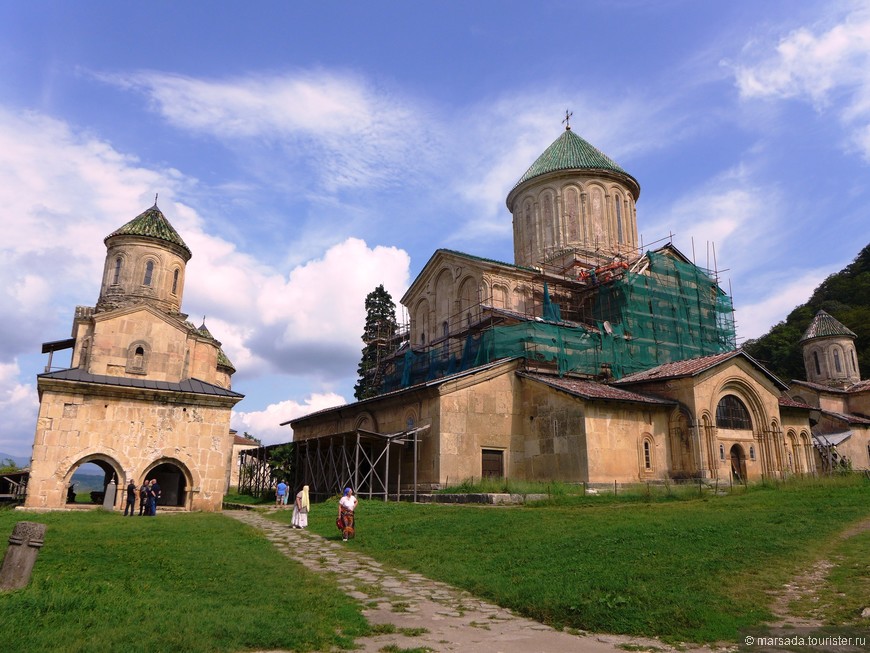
column 619, row 236
column 816, row 361
column 149, row 273
column 647, row 455
column 732, row 414
column 721, row 452
column 117, row 276
column 854, row 367
column 837, row 365
column 175, row 282
column 751, row 452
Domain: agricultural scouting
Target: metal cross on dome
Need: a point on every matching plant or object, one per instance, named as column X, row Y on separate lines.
column 567, row 121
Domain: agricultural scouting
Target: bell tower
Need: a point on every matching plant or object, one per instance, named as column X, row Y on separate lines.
column 829, row 352
column 145, row 264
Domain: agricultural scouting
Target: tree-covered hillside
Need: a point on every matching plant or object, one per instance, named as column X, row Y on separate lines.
column 846, row 296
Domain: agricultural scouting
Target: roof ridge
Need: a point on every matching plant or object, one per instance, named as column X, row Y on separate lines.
column 572, row 152
column 151, row 223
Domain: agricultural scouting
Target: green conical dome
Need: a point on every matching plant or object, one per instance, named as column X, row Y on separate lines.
column 825, row 325
column 571, row 152
column 152, row 224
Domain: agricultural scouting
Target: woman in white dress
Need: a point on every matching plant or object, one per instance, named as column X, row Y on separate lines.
column 300, row 508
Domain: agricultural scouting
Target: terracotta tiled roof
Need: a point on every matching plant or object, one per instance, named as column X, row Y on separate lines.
column 689, row 367
column 409, row 389
column 847, row 417
column 825, row 325
column 241, row 439
column 485, row 260
column 594, row 390
column 571, row 152
column 861, row 386
column 791, row 403
column 818, row 386
column 151, row 223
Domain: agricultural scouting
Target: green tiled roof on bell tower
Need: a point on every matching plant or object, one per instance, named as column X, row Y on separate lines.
column 571, row 152
column 825, row 325
column 152, row 224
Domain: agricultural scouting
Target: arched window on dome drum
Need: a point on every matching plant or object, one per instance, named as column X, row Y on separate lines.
column 549, row 221
column 175, row 282
column 854, row 367
column 149, row 273
column 619, row 235
column 117, row 276
column 572, row 214
column 816, row 361
column 732, row 414
column 837, row 365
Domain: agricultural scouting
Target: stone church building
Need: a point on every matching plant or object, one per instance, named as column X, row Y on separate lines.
column 839, row 398
column 588, row 359
column 147, row 394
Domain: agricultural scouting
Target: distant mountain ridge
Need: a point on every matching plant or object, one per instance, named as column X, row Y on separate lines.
column 21, row 461
column 846, row 296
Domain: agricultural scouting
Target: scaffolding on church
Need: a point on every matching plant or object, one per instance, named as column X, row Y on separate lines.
column 605, row 322
column 368, row 462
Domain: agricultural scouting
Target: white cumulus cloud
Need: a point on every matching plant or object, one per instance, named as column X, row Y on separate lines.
column 264, row 424
column 827, row 66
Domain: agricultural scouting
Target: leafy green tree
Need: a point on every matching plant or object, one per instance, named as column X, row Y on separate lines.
column 8, row 465
column 252, row 437
column 282, row 461
column 846, row 296
column 378, row 335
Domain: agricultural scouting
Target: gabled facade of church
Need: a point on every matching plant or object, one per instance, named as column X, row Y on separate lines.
column 147, row 394
column 588, row 360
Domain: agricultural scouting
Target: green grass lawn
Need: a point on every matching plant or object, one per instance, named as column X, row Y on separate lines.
column 671, row 565
column 677, row 567
column 186, row 582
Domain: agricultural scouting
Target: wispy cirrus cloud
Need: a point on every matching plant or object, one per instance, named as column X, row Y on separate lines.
column 352, row 132
column 827, row 65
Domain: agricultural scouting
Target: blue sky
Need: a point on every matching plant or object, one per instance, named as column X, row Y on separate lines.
column 308, row 152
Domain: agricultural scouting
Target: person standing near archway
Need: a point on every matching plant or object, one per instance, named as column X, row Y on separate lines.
column 131, row 499
column 143, row 498
column 153, row 495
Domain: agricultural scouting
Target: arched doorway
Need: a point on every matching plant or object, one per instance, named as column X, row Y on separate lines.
column 173, row 481
column 87, row 480
column 738, row 463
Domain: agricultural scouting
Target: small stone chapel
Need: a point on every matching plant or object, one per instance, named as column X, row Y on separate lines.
column 147, row 393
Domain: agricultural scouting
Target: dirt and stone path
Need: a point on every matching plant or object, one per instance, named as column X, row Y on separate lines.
column 806, row 585
column 453, row 619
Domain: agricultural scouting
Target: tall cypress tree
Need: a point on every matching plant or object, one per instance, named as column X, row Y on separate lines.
column 378, row 334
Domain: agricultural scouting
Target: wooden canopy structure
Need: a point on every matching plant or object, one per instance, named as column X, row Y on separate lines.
column 367, row 461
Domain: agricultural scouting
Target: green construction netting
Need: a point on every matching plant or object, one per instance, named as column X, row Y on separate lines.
column 668, row 311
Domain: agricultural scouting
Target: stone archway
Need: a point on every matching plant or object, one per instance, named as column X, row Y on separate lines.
column 111, row 470
column 738, row 463
column 174, row 480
